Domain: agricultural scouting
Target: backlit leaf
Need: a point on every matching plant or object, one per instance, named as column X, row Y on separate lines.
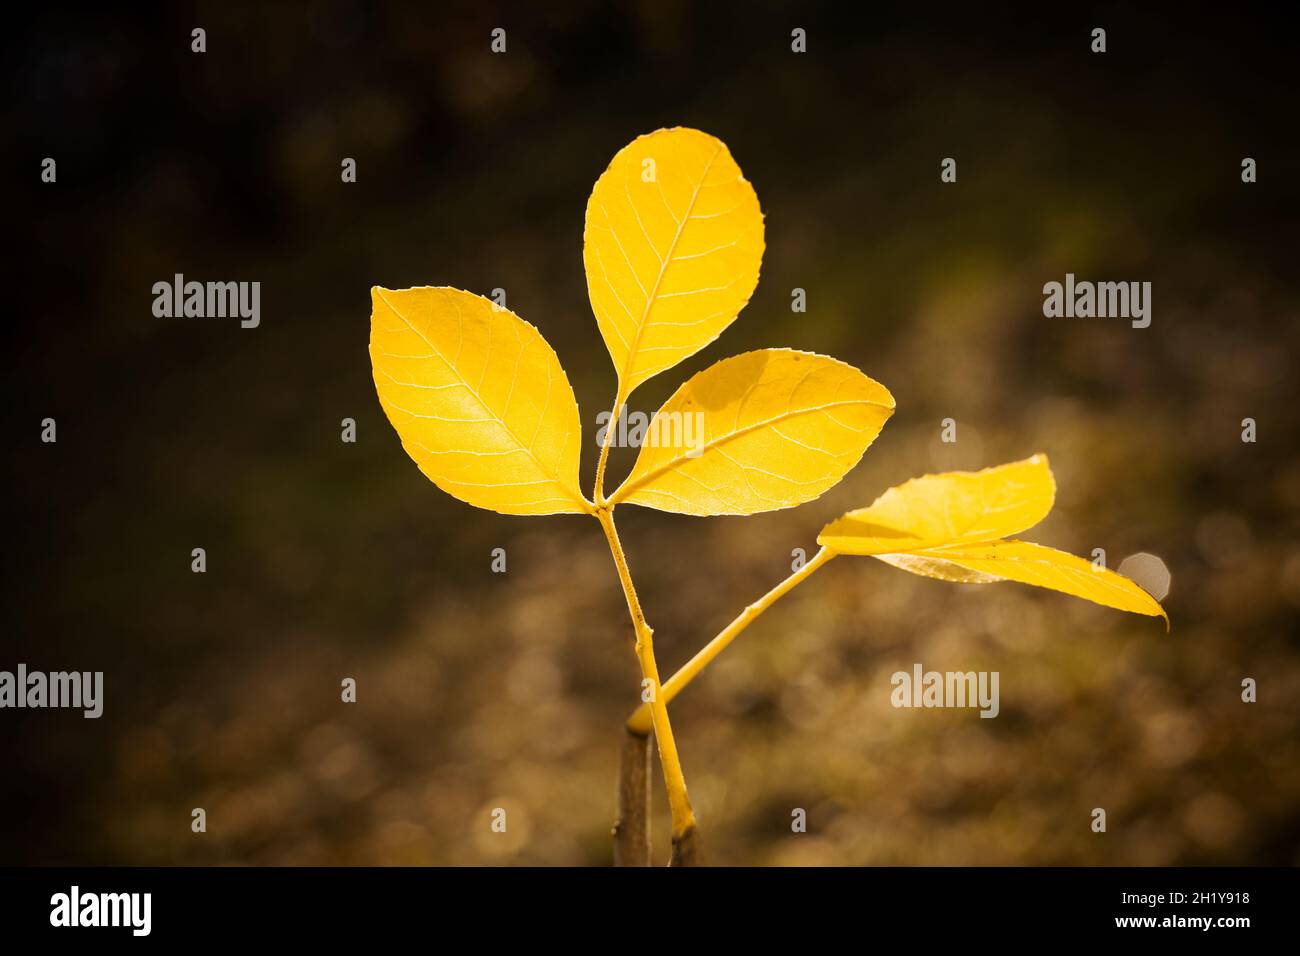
column 951, row 526
column 927, row 565
column 757, row 432
column 672, row 247
column 478, row 398
column 1030, row 564
column 951, row 508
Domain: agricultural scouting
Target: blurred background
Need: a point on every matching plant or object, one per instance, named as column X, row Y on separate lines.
column 479, row 690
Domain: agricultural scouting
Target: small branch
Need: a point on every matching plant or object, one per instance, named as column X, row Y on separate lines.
column 678, row 799
column 633, row 826
column 632, row 829
column 642, row 718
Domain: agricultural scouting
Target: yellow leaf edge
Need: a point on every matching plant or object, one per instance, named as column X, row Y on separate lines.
column 377, row 294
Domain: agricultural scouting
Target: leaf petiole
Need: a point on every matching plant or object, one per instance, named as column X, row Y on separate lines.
column 598, row 493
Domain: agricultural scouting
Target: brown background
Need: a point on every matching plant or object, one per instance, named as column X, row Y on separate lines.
column 478, row 690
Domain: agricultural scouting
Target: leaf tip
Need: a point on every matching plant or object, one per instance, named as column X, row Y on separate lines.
column 1040, row 458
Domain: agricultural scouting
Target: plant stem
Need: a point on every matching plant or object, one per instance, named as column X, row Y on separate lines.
column 678, row 800
column 641, row 719
column 687, row 849
column 632, row 829
column 598, row 494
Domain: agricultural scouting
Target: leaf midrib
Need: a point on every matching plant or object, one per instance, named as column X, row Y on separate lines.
column 663, row 268
column 630, row 486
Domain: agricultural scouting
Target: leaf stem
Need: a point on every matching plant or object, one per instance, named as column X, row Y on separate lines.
column 598, row 493
column 641, row 719
column 678, row 800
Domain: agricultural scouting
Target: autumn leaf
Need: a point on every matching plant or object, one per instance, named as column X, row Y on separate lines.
column 479, row 400
column 756, row 432
column 1030, row 564
column 951, row 527
column 672, row 247
column 949, row 508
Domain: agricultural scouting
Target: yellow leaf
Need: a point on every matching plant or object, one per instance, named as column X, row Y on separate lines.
column 478, row 398
column 949, row 527
column 756, row 432
column 951, row 508
column 1030, row 564
column 672, row 246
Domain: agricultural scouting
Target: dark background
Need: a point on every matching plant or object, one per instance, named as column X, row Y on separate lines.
column 479, row 690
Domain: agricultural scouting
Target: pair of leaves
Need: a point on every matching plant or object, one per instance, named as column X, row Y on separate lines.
column 954, row 527
column 672, row 248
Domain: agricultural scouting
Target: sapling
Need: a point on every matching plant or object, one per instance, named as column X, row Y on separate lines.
column 672, row 248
